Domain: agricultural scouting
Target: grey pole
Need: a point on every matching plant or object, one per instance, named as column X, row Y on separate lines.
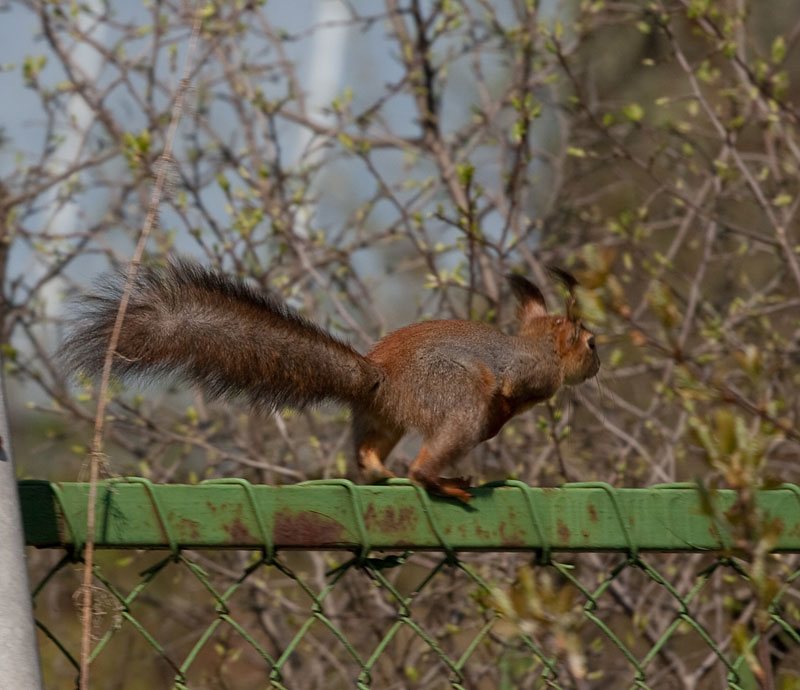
column 19, row 656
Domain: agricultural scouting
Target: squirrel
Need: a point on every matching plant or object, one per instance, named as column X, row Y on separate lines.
column 456, row 382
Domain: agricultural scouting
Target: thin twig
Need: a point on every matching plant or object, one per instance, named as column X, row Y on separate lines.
column 96, row 454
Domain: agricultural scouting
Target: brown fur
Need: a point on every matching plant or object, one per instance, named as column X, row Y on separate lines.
column 456, row 382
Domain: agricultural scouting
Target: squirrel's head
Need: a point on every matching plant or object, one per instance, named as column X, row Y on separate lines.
column 575, row 345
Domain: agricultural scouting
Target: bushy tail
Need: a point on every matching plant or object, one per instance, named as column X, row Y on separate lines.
column 211, row 329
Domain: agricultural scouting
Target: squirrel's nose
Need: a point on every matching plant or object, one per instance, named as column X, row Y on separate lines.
column 590, row 342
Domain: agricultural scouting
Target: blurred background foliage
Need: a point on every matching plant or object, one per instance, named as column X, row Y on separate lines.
column 378, row 164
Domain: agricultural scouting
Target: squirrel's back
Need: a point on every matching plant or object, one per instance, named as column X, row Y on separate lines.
column 439, row 369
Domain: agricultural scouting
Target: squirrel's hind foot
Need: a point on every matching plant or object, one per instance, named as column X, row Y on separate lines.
column 450, row 487
column 454, row 487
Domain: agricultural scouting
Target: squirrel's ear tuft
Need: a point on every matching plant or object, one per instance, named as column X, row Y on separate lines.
column 570, row 282
column 530, row 300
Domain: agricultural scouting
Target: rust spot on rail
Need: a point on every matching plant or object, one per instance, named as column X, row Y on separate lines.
column 238, row 532
column 391, row 520
column 307, row 528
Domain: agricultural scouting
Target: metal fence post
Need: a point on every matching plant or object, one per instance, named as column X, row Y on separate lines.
column 19, row 658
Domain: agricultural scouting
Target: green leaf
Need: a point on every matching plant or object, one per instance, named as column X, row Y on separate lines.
column 465, row 171
column 346, row 141
column 726, row 432
column 32, row 67
column 634, row 112
column 518, row 130
column 208, row 10
column 782, row 199
column 778, row 52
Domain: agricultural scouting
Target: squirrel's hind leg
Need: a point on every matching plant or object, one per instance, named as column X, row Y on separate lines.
column 373, row 443
column 437, row 453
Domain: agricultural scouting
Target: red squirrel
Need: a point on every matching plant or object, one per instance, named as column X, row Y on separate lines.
column 456, row 382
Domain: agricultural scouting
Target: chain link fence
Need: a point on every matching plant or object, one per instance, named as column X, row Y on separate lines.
column 328, row 584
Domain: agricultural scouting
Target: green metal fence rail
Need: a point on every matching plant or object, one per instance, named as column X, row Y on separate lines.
column 530, row 634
